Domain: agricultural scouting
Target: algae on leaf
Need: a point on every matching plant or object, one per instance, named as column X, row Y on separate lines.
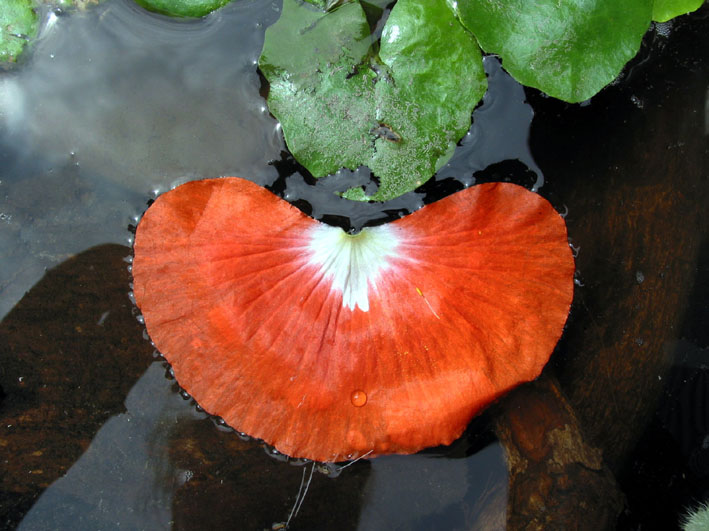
column 18, row 24
column 570, row 49
column 398, row 108
column 664, row 10
column 182, row 8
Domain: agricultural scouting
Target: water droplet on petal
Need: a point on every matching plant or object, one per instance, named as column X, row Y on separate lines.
column 358, row 398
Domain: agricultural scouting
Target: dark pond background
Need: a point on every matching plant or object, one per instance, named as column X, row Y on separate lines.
column 115, row 105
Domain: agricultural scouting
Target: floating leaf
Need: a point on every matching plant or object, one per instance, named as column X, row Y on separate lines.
column 18, row 23
column 664, row 10
column 331, row 346
column 569, row 49
column 182, row 8
column 342, row 104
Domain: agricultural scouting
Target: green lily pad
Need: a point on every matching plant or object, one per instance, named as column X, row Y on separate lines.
column 399, row 111
column 18, row 24
column 570, row 49
column 664, row 10
column 182, row 8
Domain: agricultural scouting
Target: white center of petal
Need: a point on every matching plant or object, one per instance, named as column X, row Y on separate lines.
column 353, row 263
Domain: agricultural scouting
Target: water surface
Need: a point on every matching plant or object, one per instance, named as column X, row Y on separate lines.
column 115, row 105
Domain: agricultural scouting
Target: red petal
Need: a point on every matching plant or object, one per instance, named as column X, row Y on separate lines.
column 471, row 303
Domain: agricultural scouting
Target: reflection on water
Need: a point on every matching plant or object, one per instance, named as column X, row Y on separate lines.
column 143, row 100
column 115, row 104
column 111, row 484
column 454, row 489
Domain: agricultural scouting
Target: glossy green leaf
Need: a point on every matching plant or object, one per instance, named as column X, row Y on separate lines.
column 18, row 24
column 569, row 49
column 182, row 8
column 342, row 104
column 664, row 10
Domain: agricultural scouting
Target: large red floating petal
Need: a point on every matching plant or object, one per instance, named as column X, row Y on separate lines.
column 327, row 345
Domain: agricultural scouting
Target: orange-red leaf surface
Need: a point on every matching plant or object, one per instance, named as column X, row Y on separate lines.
column 329, row 346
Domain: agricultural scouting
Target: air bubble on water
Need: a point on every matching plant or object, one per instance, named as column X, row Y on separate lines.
column 130, row 240
column 275, row 454
column 131, row 296
column 467, row 181
column 130, row 269
column 663, row 28
column 140, row 319
column 145, row 335
column 128, row 259
column 539, row 182
column 574, row 249
column 222, row 425
column 639, row 277
column 241, row 435
column 185, row 395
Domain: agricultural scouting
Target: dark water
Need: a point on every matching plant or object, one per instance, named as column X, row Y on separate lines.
column 115, row 105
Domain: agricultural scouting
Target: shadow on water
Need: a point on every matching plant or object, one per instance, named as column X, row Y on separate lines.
column 115, row 104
